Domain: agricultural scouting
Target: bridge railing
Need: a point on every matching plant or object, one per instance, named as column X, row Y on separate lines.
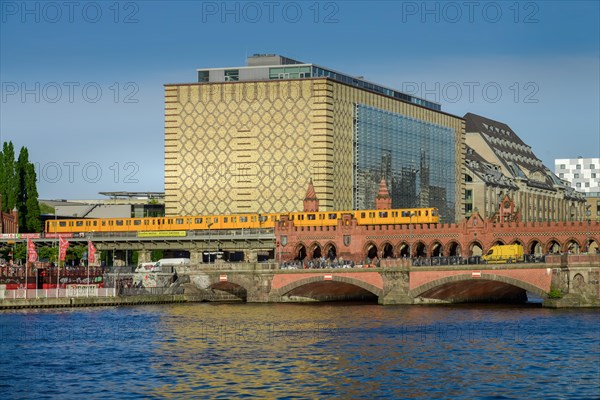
column 205, row 234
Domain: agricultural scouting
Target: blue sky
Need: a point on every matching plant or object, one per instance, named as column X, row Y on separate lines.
column 82, row 84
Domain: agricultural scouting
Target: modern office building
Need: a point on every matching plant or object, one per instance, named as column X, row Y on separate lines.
column 500, row 164
column 583, row 174
column 249, row 139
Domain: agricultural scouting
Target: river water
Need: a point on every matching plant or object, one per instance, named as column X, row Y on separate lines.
column 326, row 350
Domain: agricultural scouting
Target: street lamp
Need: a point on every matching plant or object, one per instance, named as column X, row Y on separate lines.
column 587, row 235
column 412, row 214
column 209, row 225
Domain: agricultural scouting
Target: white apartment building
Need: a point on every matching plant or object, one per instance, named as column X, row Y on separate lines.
column 583, row 174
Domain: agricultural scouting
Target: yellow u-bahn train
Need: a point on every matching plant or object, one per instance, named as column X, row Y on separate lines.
column 241, row 221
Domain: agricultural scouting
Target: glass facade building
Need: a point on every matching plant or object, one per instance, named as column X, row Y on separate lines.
column 416, row 158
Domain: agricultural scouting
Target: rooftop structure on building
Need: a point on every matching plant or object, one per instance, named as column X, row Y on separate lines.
column 120, row 205
column 272, row 66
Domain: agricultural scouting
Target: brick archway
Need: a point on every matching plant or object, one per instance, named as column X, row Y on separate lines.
column 418, row 291
column 472, row 244
column 533, row 246
column 553, row 243
column 282, row 291
column 452, row 248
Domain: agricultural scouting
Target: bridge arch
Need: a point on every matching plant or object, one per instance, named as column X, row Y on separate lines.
column 452, row 249
column 370, row 250
column 300, row 252
column 231, row 287
column 419, row 249
column 572, row 246
column 315, row 250
column 534, row 247
column 402, row 249
column 437, row 249
column 282, row 291
column 553, row 246
column 420, row 290
column 475, row 248
column 498, row 242
column 387, row 250
column 330, row 251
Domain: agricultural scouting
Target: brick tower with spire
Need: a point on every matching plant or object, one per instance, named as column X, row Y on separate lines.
column 311, row 203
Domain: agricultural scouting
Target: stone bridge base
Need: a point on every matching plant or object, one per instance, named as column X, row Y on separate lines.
column 554, row 285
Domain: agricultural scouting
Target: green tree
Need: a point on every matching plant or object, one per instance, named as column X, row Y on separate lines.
column 48, row 253
column 32, row 206
column 20, row 253
column 9, row 183
column 75, row 252
column 18, row 187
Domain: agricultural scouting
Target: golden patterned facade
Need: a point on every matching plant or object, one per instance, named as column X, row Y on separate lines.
column 253, row 146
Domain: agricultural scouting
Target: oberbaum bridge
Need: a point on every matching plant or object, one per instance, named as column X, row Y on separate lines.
column 442, row 269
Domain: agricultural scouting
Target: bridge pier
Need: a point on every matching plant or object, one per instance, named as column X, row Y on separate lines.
column 144, row 256
column 396, row 288
column 575, row 286
column 250, row 256
column 195, row 257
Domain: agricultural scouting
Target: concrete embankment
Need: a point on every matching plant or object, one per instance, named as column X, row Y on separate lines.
column 91, row 301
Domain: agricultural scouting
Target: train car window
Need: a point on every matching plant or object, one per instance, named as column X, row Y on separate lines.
column 332, row 216
column 95, row 223
column 383, row 214
column 119, row 222
column 103, row 223
column 128, row 222
column 198, row 220
column 362, row 214
column 419, row 213
column 70, row 223
column 371, row 215
column 433, row 213
column 243, row 219
column 111, row 223
column 62, row 223
column 137, row 222
column 406, row 213
column 426, row 212
column 311, row 217
column 188, row 220
column 216, row 219
column 225, row 219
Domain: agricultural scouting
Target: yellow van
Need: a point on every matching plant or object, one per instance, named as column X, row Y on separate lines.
column 503, row 254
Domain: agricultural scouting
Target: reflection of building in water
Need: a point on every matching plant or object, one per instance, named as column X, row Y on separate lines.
column 215, row 349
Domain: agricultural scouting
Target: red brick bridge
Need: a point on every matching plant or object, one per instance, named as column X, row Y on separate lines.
column 471, row 237
column 574, row 277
